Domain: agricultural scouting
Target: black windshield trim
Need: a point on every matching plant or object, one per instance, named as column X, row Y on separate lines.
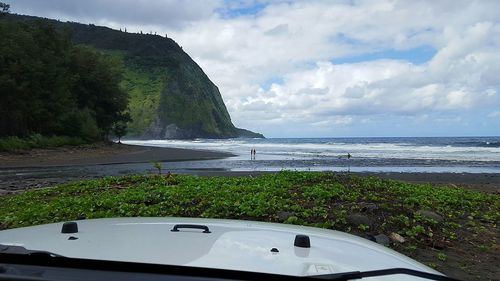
column 63, row 262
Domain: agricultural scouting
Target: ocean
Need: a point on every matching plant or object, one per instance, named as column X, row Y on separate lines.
column 388, row 154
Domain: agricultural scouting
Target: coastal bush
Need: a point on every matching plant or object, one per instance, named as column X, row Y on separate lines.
column 13, row 144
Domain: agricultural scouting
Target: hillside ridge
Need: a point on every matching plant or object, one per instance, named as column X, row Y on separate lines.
column 170, row 95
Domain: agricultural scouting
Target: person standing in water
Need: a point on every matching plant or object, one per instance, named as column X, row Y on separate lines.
column 252, row 154
column 348, row 162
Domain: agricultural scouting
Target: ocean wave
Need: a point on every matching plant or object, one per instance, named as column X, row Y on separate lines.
column 459, row 149
column 479, row 144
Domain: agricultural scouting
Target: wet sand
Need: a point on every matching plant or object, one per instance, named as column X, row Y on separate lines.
column 102, row 155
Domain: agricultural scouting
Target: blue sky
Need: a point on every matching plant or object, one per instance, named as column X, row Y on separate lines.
column 418, row 55
column 235, row 9
column 329, row 68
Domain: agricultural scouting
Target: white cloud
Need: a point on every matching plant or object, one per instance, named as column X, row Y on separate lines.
column 297, row 41
column 121, row 13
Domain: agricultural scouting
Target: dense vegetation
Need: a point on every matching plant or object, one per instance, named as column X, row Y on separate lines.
column 165, row 85
column 144, row 88
column 450, row 228
column 51, row 87
column 38, row 141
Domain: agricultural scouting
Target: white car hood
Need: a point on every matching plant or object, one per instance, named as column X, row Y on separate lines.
column 232, row 244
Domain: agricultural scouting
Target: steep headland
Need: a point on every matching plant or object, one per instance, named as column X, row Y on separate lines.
column 170, row 95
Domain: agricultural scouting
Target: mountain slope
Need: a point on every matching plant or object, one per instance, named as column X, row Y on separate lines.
column 170, row 95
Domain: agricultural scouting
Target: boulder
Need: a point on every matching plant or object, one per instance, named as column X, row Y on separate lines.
column 382, row 239
column 397, row 238
column 368, row 207
column 283, row 215
column 358, row 219
column 431, row 215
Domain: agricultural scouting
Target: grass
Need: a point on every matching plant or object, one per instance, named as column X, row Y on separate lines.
column 13, row 144
column 315, row 199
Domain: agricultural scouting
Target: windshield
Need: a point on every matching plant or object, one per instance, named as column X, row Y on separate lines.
column 378, row 120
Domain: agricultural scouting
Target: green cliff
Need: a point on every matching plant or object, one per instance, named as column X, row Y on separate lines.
column 170, row 95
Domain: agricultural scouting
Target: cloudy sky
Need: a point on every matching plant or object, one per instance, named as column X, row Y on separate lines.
column 328, row 68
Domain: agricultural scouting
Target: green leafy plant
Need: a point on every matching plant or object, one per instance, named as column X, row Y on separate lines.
column 441, row 256
column 157, row 165
column 363, row 227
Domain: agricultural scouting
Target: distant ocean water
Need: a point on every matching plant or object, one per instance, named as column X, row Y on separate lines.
column 390, row 154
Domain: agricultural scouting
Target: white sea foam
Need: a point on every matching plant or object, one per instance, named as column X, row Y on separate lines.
column 294, row 148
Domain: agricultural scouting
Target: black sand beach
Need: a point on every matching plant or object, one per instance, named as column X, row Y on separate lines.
column 94, row 156
column 38, row 168
column 102, row 155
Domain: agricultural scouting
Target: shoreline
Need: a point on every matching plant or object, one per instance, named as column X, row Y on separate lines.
column 102, row 155
column 483, row 182
column 40, row 168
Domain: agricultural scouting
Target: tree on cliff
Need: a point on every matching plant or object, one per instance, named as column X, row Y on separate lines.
column 4, row 8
